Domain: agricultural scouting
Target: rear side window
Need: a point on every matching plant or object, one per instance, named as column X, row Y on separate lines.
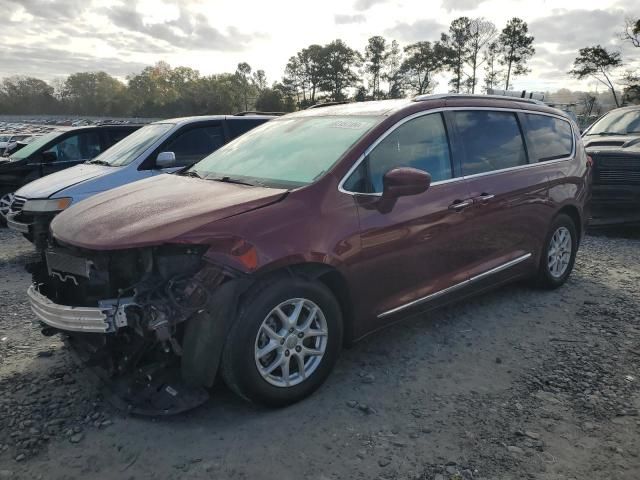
column 491, row 141
column 419, row 143
column 239, row 126
column 193, row 145
column 550, row 138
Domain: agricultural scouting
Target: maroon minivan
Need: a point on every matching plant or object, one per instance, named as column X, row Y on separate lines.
column 311, row 231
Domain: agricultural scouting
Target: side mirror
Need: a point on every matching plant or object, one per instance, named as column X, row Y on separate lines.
column 404, row 181
column 48, row 157
column 166, row 160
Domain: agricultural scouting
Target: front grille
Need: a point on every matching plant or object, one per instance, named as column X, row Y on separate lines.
column 17, row 204
column 616, row 170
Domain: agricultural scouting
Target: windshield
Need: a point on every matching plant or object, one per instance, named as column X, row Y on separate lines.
column 617, row 123
column 4, row 138
column 34, row 146
column 289, row 152
column 128, row 149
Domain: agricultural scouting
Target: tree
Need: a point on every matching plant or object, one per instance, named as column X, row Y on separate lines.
column 491, row 72
column 392, row 73
column 597, row 62
column 259, row 79
column 515, row 47
column 375, row 57
column 337, row 74
column 94, row 93
column 482, row 33
column 631, row 31
column 457, row 43
column 242, row 73
column 311, row 60
column 423, row 61
column 28, row 95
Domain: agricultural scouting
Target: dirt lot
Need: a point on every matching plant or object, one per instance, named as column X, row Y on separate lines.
column 518, row 383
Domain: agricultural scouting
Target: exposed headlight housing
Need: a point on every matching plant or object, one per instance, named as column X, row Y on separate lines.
column 49, row 205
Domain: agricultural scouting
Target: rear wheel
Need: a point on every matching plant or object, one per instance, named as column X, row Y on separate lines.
column 284, row 342
column 559, row 254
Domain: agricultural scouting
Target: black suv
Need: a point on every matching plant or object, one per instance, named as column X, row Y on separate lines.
column 57, row 150
column 613, row 142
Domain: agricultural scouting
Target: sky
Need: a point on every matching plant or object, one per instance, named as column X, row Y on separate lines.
column 53, row 38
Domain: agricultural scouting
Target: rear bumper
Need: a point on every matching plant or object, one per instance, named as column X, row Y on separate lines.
column 104, row 319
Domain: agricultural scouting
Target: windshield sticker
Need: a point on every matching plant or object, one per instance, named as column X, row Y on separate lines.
column 347, row 124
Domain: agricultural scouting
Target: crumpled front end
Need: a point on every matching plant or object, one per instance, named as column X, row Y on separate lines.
column 139, row 317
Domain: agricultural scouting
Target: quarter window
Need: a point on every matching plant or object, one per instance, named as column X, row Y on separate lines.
column 419, row 143
column 491, row 140
column 550, row 138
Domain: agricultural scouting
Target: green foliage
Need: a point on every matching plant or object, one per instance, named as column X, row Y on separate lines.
column 423, row 61
column 457, row 45
column 515, row 48
column 375, row 57
column 597, row 62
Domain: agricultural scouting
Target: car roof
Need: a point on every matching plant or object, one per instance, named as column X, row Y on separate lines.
column 425, row 102
column 207, row 118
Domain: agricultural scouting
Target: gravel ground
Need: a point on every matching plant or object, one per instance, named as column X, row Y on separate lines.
column 517, row 383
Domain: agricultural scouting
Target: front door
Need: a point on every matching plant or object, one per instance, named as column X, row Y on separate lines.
column 72, row 150
column 414, row 240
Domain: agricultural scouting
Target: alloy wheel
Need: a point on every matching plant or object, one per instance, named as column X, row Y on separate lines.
column 5, row 204
column 559, row 253
column 291, row 342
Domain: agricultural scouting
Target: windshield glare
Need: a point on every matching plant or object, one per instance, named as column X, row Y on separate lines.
column 34, row 146
column 129, row 148
column 617, row 122
column 287, row 152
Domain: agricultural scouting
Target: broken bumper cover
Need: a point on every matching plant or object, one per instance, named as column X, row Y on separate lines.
column 104, row 319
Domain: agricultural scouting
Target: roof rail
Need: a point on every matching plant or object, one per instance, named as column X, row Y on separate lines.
column 256, row 112
column 327, row 104
column 465, row 96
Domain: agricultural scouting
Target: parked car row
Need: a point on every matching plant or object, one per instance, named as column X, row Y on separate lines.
column 254, row 247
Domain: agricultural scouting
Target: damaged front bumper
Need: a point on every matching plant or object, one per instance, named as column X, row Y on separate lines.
column 156, row 349
column 104, row 319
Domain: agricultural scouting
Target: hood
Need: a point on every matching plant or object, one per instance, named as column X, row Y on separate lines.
column 610, row 142
column 155, row 211
column 51, row 184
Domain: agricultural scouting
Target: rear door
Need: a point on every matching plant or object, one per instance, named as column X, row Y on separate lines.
column 411, row 248
column 510, row 214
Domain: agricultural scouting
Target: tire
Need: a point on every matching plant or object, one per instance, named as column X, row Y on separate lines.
column 5, row 202
column 554, row 274
column 258, row 326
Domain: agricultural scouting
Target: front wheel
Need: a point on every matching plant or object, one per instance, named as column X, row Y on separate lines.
column 5, row 206
column 284, row 342
column 559, row 253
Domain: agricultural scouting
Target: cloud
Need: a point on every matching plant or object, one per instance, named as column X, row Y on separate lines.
column 574, row 29
column 418, row 31
column 50, row 9
column 366, row 4
column 188, row 31
column 346, row 19
column 462, row 5
column 42, row 61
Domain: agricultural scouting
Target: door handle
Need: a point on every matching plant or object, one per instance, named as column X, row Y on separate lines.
column 485, row 197
column 460, row 205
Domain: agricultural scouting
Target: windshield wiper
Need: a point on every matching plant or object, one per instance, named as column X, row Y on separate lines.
column 227, row 179
column 98, row 162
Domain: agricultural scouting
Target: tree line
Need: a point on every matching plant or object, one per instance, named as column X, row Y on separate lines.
column 470, row 50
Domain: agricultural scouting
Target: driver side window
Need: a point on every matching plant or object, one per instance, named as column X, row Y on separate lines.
column 419, row 143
